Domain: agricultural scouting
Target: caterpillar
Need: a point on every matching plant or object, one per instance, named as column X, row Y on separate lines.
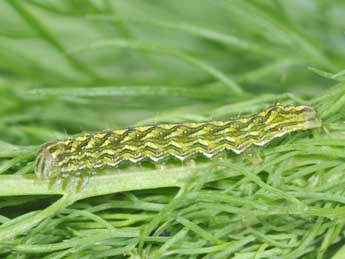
column 82, row 155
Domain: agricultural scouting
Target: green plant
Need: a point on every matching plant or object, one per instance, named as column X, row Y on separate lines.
column 81, row 66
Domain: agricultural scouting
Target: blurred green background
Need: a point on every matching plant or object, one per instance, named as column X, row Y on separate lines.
column 72, row 66
column 57, row 57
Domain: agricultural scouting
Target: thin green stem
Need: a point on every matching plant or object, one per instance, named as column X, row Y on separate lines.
column 46, row 34
column 12, row 185
column 19, row 225
column 206, row 67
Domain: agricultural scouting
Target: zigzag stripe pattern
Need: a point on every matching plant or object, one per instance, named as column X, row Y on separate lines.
column 85, row 153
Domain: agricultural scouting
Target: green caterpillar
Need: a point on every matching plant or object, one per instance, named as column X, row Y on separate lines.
column 80, row 156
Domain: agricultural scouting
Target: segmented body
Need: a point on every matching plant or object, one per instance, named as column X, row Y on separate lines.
column 83, row 154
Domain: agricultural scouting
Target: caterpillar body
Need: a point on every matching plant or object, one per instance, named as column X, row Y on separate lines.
column 82, row 155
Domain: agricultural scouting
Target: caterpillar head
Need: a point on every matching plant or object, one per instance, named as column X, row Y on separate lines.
column 46, row 164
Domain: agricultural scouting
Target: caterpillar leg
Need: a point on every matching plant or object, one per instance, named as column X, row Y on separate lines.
column 191, row 163
column 74, row 183
column 55, row 182
column 253, row 155
column 161, row 167
column 58, row 182
column 81, row 182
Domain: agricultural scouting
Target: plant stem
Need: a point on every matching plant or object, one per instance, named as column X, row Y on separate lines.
column 13, row 185
column 19, row 226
